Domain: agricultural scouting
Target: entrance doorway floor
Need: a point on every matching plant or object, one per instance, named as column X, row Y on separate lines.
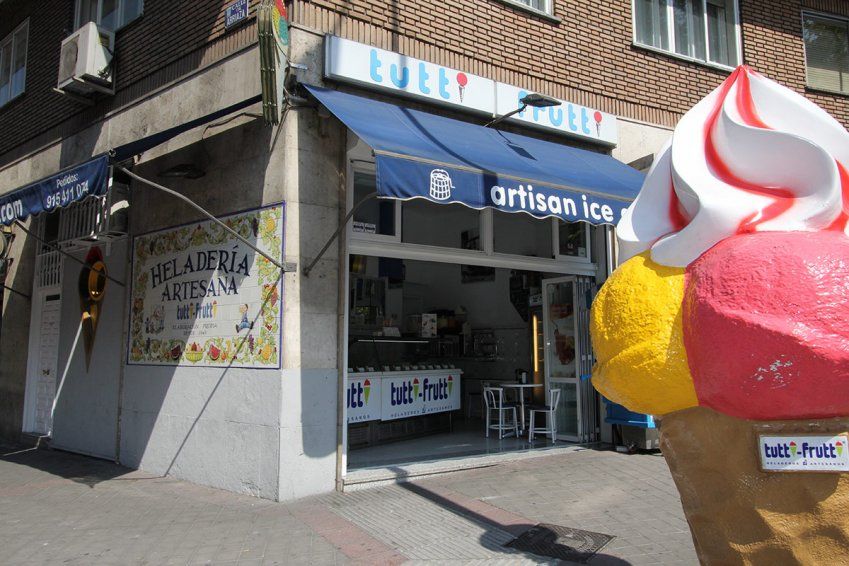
column 467, row 439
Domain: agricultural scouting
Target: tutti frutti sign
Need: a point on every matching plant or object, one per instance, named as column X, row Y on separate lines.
column 804, row 453
column 202, row 297
column 378, row 69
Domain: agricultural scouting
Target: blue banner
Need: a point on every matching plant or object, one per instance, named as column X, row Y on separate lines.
column 71, row 185
column 405, row 179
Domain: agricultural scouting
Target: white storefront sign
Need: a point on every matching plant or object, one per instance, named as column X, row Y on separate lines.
column 804, row 453
column 568, row 118
column 202, row 297
column 370, row 67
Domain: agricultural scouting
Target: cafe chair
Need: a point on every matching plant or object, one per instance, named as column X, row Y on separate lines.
column 494, row 399
column 550, row 410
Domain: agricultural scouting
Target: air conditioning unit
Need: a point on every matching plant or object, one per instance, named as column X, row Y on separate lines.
column 85, row 61
column 95, row 220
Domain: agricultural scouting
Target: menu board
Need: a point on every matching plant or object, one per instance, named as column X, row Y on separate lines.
column 202, row 297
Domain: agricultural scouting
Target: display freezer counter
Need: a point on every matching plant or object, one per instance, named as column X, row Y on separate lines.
column 392, row 395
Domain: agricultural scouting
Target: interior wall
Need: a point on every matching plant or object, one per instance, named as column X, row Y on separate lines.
column 488, row 307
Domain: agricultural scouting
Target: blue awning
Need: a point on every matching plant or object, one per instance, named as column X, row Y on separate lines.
column 422, row 155
column 128, row 150
column 68, row 186
column 91, row 178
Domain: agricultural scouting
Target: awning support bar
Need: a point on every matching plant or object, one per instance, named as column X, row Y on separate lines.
column 61, row 251
column 284, row 267
column 338, row 231
column 24, row 295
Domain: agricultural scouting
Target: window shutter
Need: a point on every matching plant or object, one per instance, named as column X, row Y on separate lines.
column 827, row 53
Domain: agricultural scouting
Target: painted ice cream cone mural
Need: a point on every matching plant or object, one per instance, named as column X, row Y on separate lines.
column 92, row 286
column 367, row 389
column 728, row 318
column 415, row 387
column 597, row 117
column 450, row 384
column 462, row 81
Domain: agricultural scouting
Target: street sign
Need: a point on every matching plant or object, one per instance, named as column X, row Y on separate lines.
column 236, row 13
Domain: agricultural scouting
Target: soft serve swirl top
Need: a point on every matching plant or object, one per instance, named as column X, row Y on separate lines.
column 752, row 156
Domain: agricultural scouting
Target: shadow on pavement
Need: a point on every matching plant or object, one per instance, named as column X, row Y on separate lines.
column 80, row 469
column 515, row 529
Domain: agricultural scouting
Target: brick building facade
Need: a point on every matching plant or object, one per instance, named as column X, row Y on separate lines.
column 584, row 53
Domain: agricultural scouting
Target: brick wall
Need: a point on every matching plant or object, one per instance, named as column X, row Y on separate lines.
column 168, row 41
column 587, row 57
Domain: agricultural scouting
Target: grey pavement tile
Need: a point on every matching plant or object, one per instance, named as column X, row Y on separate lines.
column 158, row 521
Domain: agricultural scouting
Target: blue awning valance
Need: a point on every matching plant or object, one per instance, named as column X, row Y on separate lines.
column 66, row 187
column 422, row 155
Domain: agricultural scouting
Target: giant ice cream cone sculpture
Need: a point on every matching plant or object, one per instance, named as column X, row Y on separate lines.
column 92, row 284
column 729, row 319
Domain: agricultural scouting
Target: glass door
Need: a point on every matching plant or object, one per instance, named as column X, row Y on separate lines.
column 561, row 353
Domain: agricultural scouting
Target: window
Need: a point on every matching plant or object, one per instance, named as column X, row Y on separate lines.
column 109, row 14
column 573, row 239
column 374, row 216
column 546, row 7
column 541, row 5
column 13, row 63
column 444, row 225
column 517, row 233
column 827, row 52
column 701, row 30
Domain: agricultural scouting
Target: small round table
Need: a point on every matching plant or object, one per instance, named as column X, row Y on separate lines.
column 521, row 390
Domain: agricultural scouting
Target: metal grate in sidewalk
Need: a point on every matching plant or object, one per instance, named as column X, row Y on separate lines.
column 563, row 543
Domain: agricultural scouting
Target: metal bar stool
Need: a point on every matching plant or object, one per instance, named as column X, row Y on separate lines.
column 550, row 410
column 494, row 399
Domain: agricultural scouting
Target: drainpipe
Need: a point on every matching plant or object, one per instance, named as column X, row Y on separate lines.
column 341, row 300
column 128, row 301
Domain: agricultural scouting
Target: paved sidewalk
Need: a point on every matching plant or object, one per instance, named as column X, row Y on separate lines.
column 63, row 508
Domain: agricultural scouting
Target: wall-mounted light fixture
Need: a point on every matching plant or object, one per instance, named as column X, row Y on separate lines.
column 534, row 99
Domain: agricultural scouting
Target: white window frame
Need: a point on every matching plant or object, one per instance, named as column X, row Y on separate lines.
column 546, row 13
column 9, row 41
column 120, row 9
column 670, row 37
column 824, row 16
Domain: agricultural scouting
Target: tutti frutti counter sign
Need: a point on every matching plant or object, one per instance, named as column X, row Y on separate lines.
column 201, row 297
column 387, row 396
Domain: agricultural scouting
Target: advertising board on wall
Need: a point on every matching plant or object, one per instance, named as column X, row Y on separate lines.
column 201, row 297
column 370, row 67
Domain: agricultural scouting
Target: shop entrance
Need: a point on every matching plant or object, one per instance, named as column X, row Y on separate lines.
column 426, row 338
